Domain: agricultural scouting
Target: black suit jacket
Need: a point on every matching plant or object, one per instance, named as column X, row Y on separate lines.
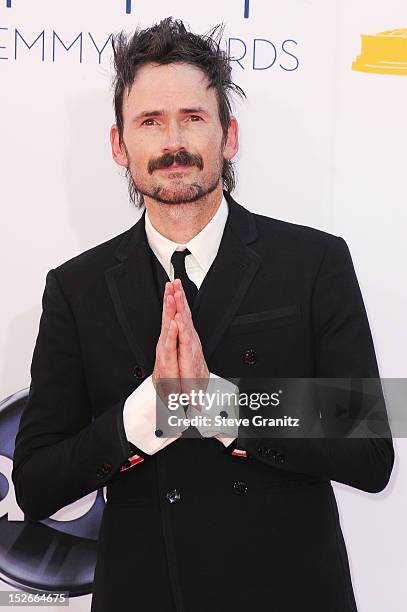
column 245, row 533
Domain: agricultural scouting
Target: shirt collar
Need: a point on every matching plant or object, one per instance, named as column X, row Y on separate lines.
column 204, row 246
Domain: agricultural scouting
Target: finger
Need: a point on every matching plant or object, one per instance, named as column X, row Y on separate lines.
column 169, row 309
column 181, row 315
column 171, row 334
column 182, row 303
column 171, row 287
column 184, row 331
column 178, row 287
column 170, row 348
column 166, row 349
column 168, row 362
column 163, row 314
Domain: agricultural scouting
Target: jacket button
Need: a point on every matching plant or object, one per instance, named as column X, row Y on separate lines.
column 250, row 356
column 223, row 414
column 133, row 449
column 158, row 433
column 240, row 487
column 173, row 496
column 103, row 470
column 139, row 371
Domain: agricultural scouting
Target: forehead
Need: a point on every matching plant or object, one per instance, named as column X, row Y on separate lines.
column 170, row 86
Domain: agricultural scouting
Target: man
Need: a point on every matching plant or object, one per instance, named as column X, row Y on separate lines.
column 224, row 522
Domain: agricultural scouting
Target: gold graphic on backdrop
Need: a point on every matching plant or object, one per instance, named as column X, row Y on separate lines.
column 384, row 53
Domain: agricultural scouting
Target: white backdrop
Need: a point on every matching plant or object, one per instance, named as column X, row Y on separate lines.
column 321, row 145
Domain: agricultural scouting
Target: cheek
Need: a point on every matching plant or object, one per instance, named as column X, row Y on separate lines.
column 212, row 148
column 139, row 155
column 138, row 147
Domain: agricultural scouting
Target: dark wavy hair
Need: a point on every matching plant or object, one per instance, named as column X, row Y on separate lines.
column 164, row 43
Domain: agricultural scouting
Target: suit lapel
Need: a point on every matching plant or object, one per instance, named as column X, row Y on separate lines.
column 228, row 279
column 132, row 288
column 138, row 308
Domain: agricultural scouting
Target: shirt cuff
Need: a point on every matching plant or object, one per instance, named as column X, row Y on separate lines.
column 217, row 417
column 225, row 441
column 140, row 413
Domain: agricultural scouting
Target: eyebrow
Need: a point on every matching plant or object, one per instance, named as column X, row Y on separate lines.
column 183, row 111
column 196, row 109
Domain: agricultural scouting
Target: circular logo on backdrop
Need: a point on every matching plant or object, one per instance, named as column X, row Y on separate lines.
column 383, row 53
column 55, row 554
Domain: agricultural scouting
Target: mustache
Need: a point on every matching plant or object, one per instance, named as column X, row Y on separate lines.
column 183, row 158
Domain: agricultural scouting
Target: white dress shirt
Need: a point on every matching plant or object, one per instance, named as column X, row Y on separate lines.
column 140, row 408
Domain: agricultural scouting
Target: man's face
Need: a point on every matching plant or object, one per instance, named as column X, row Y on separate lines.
column 172, row 134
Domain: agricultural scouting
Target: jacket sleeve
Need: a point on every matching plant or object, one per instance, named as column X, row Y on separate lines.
column 343, row 348
column 62, row 452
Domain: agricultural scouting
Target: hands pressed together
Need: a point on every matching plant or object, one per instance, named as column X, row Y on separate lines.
column 179, row 354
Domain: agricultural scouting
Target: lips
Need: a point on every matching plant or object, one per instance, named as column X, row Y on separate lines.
column 175, row 167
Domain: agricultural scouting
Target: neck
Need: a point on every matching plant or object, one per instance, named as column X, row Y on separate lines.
column 181, row 222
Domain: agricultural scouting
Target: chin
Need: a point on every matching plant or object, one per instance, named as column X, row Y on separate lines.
column 181, row 195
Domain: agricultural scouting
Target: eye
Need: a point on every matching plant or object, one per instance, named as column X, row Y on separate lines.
column 145, row 122
column 194, row 117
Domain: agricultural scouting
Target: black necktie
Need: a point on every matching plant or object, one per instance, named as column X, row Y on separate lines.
column 178, row 261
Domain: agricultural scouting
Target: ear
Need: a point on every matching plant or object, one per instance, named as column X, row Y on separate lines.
column 231, row 145
column 118, row 149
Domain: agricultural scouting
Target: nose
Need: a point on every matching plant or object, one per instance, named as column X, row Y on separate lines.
column 174, row 139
